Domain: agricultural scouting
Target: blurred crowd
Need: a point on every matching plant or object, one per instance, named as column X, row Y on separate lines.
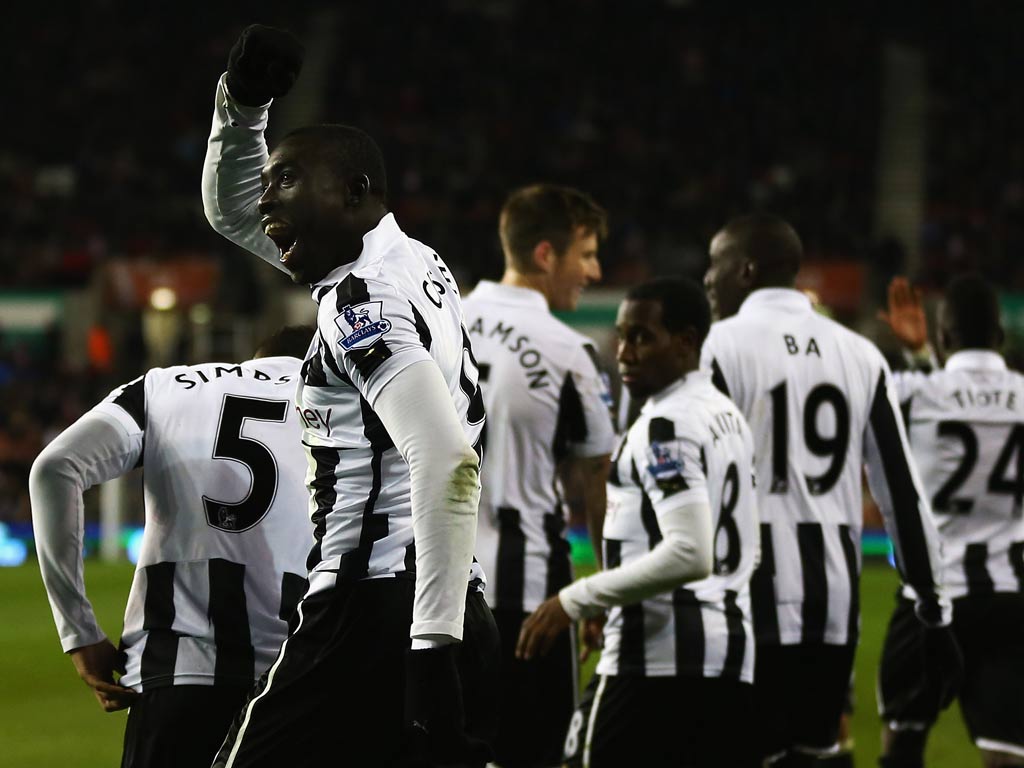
column 675, row 115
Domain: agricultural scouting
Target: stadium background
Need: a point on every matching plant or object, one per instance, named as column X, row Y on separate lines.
column 889, row 134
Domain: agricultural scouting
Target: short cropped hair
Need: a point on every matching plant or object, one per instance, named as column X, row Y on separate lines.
column 972, row 307
column 352, row 152
column 770, row 242
column 290, row 341
column 549, row 212
column 683, row 303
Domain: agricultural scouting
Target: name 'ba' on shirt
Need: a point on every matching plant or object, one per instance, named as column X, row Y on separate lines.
column 371, row 326
column 820, row 401
column 966, row 429
column 222, row 564
column 690, row 444
column 546, row 400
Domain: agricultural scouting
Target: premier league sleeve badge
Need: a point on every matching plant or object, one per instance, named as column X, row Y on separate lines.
column 361, row 325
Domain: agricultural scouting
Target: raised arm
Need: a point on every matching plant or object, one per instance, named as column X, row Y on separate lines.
column 908, row 322
column 96, row 448
column 263, row 64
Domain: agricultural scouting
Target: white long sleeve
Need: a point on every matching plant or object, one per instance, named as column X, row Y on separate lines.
column 684, row 554
column 416, row 409
column 94, row 449
column 235, row 154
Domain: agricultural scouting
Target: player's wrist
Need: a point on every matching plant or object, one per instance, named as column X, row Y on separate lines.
column 241, row 98
column 934, row 612
column 923, row 357
column 431, row 642
column 575, row 603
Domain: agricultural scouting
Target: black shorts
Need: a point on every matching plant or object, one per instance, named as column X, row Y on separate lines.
column 990, row 631
column 335, row 695
column 536, row 698
column 179, row 725
column 800, row 692
column 682, row 722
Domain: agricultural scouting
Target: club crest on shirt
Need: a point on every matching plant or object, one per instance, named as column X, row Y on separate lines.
column 361, row 325
column 665, row 464
column 227, row 519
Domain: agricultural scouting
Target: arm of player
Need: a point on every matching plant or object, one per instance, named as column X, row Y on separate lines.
column 235, row 155
column 896, row 487
column 674, row 481
column 684, row 554
column 96, row 448
column 906, row 318
column 583, row 481
column 417, row 411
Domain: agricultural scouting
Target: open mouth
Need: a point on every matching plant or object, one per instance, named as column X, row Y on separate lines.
column 284, row 238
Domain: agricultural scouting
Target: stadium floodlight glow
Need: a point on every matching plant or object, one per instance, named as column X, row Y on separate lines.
column 163, row 298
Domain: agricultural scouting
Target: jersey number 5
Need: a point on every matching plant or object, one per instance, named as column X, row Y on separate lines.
column 235, row 517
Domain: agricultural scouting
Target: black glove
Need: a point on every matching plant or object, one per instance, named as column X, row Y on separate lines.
column 943, row 664
column 263, row 64
column 434, row 713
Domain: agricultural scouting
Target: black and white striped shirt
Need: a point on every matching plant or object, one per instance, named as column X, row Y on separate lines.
column 546, row 401
column 966, row 429
column 821, row 404
column 222, row 564
column 394, row 306
column 689, row 445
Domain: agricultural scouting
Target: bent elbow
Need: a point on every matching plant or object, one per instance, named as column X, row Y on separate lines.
column 694, row 559
column 703, row 564
column 48, row 464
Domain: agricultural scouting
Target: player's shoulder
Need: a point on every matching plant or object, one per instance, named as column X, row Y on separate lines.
column 682, row 414
column 726, row 332
column 582, row 349
column 909, row 382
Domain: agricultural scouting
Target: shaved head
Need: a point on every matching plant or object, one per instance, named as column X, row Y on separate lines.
column 758, row 250
column 771, row 244
column 969, row 315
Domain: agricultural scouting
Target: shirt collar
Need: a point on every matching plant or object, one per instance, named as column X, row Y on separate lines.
column 691, row 379
column 789, row 299
column 975, row 360
column 518, row 295
column 375, row 244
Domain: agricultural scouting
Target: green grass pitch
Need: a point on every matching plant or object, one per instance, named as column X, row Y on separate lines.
column 49, row 718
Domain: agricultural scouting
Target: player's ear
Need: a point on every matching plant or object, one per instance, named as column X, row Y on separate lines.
column 688, row 345
column 544, row 256
column 748, row 272
column 358, row 189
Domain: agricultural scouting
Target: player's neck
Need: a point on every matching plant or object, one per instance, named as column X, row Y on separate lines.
column 534, row 281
